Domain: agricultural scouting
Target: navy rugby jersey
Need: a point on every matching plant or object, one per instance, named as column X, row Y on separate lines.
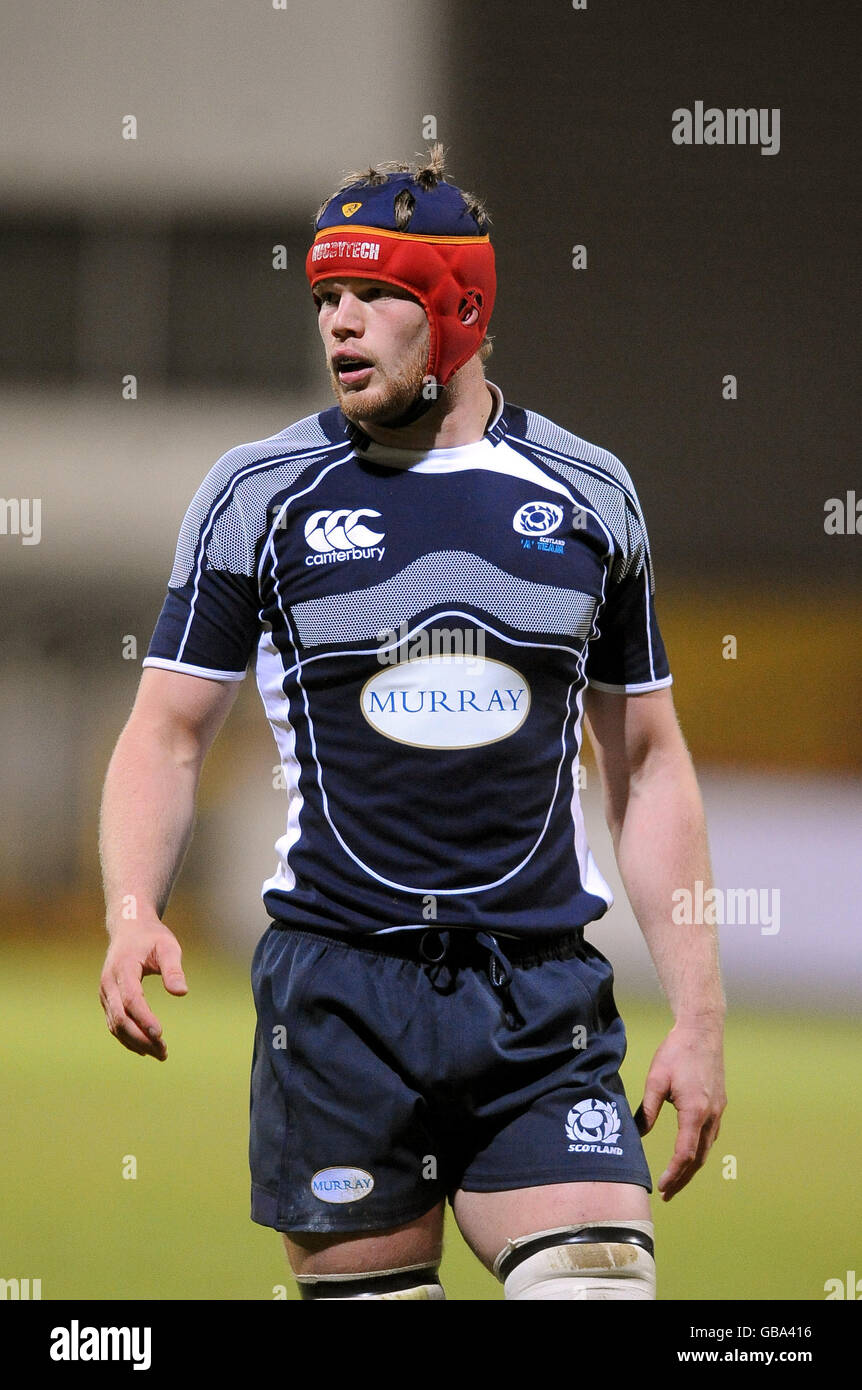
column 425, row 623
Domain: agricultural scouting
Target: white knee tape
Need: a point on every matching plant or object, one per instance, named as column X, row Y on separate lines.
column 596, row 1268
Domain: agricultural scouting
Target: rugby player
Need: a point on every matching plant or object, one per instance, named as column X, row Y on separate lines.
column 439, row 586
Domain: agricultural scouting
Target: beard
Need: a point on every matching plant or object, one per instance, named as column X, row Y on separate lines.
column 381, row 404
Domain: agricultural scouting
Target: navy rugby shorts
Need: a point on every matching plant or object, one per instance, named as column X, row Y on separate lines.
column 391, row 1070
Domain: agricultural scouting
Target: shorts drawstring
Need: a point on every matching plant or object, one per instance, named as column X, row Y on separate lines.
column 435, row 948
column 498, row 958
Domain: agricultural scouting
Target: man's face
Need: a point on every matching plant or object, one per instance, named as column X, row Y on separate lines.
column 376, row 338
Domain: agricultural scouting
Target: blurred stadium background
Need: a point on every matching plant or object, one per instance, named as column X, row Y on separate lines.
column 153, row 257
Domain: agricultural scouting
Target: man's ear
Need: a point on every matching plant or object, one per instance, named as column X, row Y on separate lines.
column 469, row 307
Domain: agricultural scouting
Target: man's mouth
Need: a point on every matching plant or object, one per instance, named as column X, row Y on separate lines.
column 353, row 371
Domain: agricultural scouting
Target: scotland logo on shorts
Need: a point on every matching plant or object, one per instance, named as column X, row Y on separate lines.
column 537, row 518
column 593, row 1125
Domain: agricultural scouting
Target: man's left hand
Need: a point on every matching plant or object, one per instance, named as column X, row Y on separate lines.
column 687, row 1070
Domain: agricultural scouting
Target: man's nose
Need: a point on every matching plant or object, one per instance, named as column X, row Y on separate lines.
column 347, row 319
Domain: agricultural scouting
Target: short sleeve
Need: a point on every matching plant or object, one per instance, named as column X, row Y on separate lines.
column 627, row 656
column 210, row 621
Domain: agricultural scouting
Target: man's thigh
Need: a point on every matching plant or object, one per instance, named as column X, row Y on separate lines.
column 488, row 1220
column 344, row 1139
column 359, row 1252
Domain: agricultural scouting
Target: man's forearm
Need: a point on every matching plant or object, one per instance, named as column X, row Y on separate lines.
column 661, row 846
column 148, row 809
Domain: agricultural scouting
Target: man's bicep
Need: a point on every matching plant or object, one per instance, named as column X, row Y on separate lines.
column 625, row 730
column 173, row 704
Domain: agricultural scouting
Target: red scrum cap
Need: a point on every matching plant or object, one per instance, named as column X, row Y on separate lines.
column 445, row 260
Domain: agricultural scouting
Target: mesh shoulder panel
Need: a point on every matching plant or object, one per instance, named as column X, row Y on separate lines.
column 603, row 481
column 229, row 512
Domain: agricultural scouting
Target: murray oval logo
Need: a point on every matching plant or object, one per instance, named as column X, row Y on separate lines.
column 446, row 702
column 341, row 1184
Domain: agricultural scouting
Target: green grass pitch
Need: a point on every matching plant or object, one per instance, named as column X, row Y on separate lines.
column 76, row 1105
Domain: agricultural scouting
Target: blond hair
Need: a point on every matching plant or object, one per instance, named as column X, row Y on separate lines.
column 426, row 174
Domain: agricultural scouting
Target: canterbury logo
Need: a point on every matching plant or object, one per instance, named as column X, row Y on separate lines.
column 350, row 208
column 341, row 530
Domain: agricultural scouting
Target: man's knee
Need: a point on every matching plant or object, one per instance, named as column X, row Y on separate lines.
column 400, row 1262
column 591, row 1261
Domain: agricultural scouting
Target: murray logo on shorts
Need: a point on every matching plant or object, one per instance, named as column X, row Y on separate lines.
column 592, row 1126
column 341, row 1184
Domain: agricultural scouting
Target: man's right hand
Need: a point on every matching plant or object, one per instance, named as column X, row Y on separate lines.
column 137, row 950
column 148, row 811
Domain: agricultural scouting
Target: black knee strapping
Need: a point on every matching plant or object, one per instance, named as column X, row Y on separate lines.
column 583, row 1235
column 417, row 1281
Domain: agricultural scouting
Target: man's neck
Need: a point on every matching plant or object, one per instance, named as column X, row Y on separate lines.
column 460, row 416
